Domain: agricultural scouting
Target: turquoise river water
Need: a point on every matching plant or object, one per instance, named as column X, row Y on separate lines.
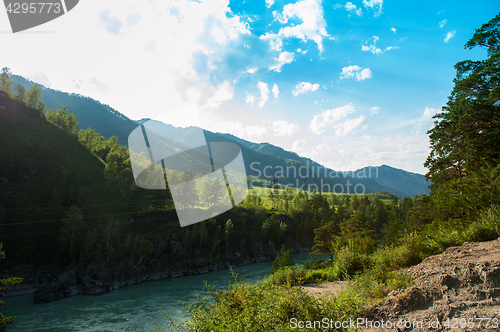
column 133, row 308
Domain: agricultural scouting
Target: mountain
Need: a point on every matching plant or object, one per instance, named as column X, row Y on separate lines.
column 410, row 183
column 402, row 182
column 262, row 160
column 288, row 167
column 105, row 120
column 45, row 172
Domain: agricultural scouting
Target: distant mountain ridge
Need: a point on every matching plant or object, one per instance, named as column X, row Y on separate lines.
column 262, row 160
column 259, row 155
column 409, row 183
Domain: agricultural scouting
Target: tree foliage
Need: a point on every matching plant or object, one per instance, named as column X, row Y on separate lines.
column 4, row 283
column 467, row 131
column 20, row 92
column 63, row 119
column 6, row 81
column 34, row 98
column 464, row 140
column 283, row 259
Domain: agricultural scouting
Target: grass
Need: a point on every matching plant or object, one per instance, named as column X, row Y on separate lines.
column 267, row 307
column 264, row 190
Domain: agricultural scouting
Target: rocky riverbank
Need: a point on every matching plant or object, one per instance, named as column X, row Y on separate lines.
column 50, row 283
column 457, row 290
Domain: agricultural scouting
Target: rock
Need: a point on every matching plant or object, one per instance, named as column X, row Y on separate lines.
column 95, row 277
column 462, row 282
column 48, row 294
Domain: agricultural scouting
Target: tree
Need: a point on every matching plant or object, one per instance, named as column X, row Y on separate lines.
column 143, row 247
column 20, row 92
column 229, row 232
column 325, row 238
column 118, row 169
column 4, row 283
column 63, row 119
column 6, row 81
column 91, row 140
column 283, row 259
column 71, row 225
column 466, row 133
column 464, row 139
column 34, row 98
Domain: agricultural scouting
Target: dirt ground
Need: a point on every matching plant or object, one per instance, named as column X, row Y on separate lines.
column 457, row 290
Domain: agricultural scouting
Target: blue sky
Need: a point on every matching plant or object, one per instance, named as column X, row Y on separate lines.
column 349, row 84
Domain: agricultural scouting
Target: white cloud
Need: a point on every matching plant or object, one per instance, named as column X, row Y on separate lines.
column 283, row 128
column 284, row 58
column 249, row 99
column 376, row 5
column 443, row 23
column 273, row 39
column 313, row 26
column 299, row 146
column 356, row 72
column 450, row 35
column 269, row 3
column 429, row 112
column 329, row 118
column 299, row 50
column 223, row 93
column 426, row 118
column 304, row 87
column 393, row 30
column 264, row 93
column 255, row 130
column 374, row 110
column 348, row 126
column 160, row 37
column 276, row 91
column 350, row 7
column 373, row 48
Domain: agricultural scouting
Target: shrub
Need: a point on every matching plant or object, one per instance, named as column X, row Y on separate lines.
column 266, row 307
column 349, row 261
column 290, row 276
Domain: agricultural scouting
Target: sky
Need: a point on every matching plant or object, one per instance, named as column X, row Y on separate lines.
column 346, row 83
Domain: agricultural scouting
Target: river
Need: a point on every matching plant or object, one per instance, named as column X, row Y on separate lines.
column 133, row 308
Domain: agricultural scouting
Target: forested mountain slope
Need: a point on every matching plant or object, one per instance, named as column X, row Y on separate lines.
column 410, row 183
column 90, row 113
column 44, row 172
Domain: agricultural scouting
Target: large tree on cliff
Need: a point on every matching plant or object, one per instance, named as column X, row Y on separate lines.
column 466, row 135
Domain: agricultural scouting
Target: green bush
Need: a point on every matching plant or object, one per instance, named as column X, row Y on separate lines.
column 372, row 288
column 266, row 307
column 411, row 251
column 349, row 261
column 488, row 228
column 289, row 275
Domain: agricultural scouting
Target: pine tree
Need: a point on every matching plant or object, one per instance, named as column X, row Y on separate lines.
column 467, row 131
column 283, row 259
column 20, row 92
column 6, row 81
column 464, row 139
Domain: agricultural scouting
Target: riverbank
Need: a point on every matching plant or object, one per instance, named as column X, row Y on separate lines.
column 50, row 283
column 128, row 309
